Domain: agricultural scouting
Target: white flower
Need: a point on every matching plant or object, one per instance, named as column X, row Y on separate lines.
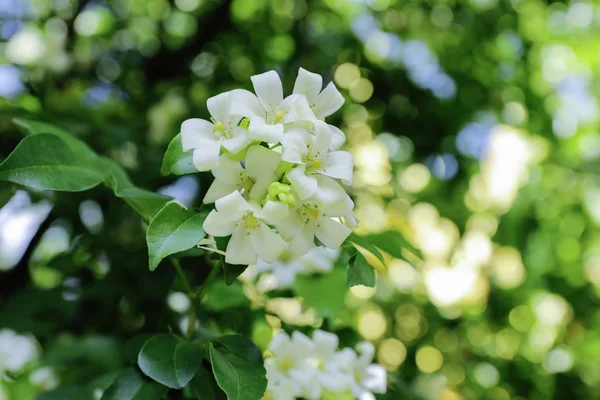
column 206, row 138
column 313, row 154
column 323, row 103
column 289, row 362
column 254, row 178
column 251, row 237
column 319, row 260
column 303, row 368
column 16, row 351
column 369, row 378
column 45, row 378
column 269, row 111
column 313, row 218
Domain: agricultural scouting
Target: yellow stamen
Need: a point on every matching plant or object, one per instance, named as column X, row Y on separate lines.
column 218, row 127
column 315, row 164
column 248, row 185
column 286, row 365
column 251, row 222
column 285, row 256
column 314, row 212
column 279, row 115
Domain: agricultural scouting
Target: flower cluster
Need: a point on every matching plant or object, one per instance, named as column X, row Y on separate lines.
column 281, row 274
column 277, row 168
column 307, row 368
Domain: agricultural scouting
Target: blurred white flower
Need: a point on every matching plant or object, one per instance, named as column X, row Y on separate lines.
column 303, row 368
column 16, row 351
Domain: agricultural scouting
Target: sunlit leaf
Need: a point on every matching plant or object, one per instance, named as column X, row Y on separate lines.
column 367, row 245
column 324, row 293
column 45, row 162
column 392, row 242
column 146, row 203
column 359, row 272
column 173, row 229
column 176, row 161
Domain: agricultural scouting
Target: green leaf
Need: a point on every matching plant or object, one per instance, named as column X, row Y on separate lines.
column 221, row 296
column 240, row 379
column 36, row 127
column 364, row 243
column 173, row 229
column 230, row 271
column 325, row 293
column 144, row 202
column 240, row 347
column 45, row 162
column 392, row 242
column 68, row 393
column 132, row 347
column 203, row 386
column 359, row 272
column 131, row 386
column 176, row 161
column 170, row 360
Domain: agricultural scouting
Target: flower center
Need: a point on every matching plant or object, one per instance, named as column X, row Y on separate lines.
column 285, row 256
column 286, row 364
column 314, row 164
column 218, row 127
column 248, row 185
column 281, row 192
column 279, row 116
column 314, row 212
column 251, row 221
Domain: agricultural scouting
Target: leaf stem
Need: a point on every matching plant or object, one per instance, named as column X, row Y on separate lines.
column 193, row 296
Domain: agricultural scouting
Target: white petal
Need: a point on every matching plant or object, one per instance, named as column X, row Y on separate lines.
column 335, row 381
column 206, row 155
column 366, row 351
column 301, row 345
column 303, row 241
column 339, row 165
column 261, row 161
column 233, row 206
column 279, row 344
column 331, row 195
column 308, row 84
column 322, row 140
column 266, row 243
column 268, row 88
column 273, row 212
column 304, row 185
column 238, row 142
column 295, row 146
column 239, row 249
column 329, row 101
column 229, row 171
column 338, row 138
column 246, row 104
column 297, row 109
column 290, row 226
column 217, row 190
column 260, row 130
column 325, row 344
column 331, row 233
column 216, row 225
column 194, row 131
column 375, row 379
column 218, row 106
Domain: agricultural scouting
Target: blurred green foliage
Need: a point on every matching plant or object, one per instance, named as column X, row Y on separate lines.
column 474, row 126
